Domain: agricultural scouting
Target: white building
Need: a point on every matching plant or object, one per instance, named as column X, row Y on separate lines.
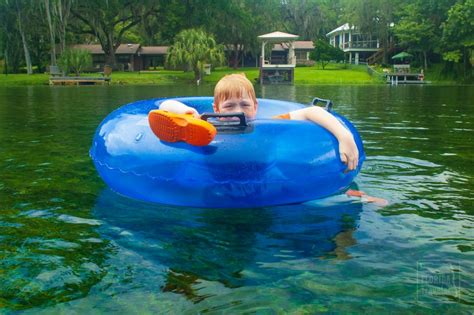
column 358, row 46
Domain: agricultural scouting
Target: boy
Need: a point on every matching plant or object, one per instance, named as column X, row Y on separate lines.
column 175, row 121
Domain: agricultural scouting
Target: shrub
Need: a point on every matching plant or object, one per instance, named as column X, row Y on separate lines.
column 74, row 60
column 324, row 53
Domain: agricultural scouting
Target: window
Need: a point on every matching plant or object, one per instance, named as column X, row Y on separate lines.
column 300, row 54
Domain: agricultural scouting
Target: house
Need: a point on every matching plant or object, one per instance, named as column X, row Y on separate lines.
column 358, row 46
column 302, row 50
column 134, row 57
column 129, row 57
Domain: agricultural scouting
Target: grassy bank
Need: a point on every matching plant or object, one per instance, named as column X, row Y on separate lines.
column 333, row 74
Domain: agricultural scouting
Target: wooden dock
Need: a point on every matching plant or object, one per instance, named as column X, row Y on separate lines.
column 405, row 78
column 79, row 80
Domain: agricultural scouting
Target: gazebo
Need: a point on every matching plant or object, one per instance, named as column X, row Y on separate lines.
column 278, row 73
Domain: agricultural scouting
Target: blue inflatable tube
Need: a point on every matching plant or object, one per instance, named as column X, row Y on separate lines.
column 274, row 162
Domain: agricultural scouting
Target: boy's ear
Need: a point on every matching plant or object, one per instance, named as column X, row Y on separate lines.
column 215, row 108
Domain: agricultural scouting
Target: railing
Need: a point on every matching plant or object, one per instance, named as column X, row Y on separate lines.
column 374, row 73
column 361, row 44
column 379, row 54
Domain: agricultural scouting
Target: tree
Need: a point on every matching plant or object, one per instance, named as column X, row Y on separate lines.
column 108, row 21
column 324, row 53
column 458, row 36
column 22, row 10
column 57, row 15
column 238, row 23
column 374, row 17
column 11, row 47
column 303, row 17
column 193, row 49
column 416, row 31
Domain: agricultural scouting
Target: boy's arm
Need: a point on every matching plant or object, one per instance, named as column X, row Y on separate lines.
column 178, row 108
column 348, row 151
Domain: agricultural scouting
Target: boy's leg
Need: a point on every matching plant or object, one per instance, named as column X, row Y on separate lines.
column 366, row 198
column 173, row 127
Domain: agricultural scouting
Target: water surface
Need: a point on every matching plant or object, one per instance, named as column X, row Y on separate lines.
column 67, row 242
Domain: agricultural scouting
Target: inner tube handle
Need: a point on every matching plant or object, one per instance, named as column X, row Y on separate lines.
column 317, row 100
column 240, row 115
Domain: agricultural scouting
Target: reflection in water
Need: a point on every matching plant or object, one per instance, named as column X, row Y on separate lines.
column 228, row 246
column 278, row 92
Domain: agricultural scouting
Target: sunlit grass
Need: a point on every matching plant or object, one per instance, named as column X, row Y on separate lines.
column 332, row 74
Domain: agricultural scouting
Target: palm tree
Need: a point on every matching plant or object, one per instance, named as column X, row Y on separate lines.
column 193, row 49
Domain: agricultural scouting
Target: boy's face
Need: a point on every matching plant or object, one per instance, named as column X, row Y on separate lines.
column 243, row 104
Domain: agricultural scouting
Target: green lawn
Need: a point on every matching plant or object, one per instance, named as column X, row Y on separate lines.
column 333, row 74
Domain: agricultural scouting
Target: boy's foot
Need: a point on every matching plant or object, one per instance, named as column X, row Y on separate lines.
column 173, row 127
column 366, row 198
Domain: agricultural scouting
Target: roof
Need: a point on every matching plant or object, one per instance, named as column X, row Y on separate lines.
column 123, row 49
column 93, row 49
column 299, row 45
column 341, row 28
column 153, row 50
column 304, row 44
column 278, row 36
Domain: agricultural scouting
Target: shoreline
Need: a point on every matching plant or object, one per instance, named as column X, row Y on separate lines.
column 334, row 74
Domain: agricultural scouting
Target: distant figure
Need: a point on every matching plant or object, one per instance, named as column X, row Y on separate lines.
column 421, row 76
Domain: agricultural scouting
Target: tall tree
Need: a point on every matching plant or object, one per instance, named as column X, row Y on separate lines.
column 109, row 20
column 458, row 35
column 193, row 49
column 11, row 47
column 303, row 17
column 57, row 14
column 416, row 31
column 52, row 33
column 374, row 17
column 22, row 10
column 239, row 22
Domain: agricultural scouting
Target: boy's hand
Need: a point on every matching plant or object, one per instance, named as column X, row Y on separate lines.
column 348, row 152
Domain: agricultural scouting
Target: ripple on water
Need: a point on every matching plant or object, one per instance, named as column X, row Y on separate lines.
column 76, row 220
column 416, row 185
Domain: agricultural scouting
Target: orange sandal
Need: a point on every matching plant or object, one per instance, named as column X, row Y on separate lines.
column 173, row 127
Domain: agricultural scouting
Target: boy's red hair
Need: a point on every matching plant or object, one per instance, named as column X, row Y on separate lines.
column 233, row 85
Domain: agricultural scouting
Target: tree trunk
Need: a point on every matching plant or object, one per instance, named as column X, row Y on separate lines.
column 62, row 11
column 109, row 50
column 6, row 61
column 197, row 75
column 51, row 33
column 29, row 68
column 425, row 59
column 235, row 61
column 465, row 62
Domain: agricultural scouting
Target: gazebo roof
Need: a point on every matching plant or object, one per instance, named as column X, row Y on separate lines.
column 278, row 37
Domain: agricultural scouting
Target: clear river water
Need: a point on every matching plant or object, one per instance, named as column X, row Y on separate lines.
column 70, row 245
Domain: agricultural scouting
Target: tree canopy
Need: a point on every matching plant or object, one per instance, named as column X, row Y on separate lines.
column 34, row 33
column 324, row 53
column 193, row 49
